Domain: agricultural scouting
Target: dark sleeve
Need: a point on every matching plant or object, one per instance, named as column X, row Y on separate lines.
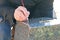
column 2, row 2
column 7, row 12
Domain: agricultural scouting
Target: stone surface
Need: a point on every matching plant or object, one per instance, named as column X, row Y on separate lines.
column 21, row 31
column 51, row 32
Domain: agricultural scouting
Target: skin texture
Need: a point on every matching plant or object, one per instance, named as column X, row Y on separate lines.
column 21, row 14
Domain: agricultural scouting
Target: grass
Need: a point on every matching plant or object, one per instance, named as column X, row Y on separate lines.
column 45, row 33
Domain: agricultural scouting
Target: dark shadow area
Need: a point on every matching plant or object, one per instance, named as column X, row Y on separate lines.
column 44, row 8
column 37, row 8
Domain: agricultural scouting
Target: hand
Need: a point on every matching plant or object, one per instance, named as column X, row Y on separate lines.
column 21, row 14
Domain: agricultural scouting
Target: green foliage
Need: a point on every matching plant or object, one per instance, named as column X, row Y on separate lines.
column 45, row 33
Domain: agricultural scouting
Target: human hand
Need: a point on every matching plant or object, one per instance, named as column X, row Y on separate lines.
column 21, row 14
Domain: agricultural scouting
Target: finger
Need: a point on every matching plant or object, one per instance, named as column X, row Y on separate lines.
column 23, row 9
column 28, row 13
column 20, row 13
column 19, row 16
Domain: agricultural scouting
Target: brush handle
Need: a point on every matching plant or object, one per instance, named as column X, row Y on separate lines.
column 22, row 2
